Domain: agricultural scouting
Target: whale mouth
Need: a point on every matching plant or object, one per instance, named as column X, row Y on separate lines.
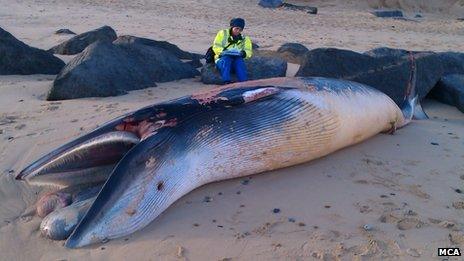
column 86, row 162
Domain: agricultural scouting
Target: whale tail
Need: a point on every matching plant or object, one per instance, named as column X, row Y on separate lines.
column 411, row 106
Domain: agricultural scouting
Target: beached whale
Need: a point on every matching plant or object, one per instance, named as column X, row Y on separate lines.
column 164, row 151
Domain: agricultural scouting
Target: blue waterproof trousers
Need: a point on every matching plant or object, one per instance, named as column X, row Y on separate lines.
column 228, row 64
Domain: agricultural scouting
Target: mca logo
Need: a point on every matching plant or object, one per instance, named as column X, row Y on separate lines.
column 449, row 251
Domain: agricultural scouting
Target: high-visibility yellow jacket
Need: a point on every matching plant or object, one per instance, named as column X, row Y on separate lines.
column 222, row 40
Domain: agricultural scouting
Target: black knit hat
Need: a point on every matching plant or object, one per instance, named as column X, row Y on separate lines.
column 237, row 22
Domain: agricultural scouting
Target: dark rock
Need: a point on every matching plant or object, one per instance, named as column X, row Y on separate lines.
column 257, row 67
column 307, row 9
column 388, row 13
column 418, row 16
column 17, row 57
column 336, row 63
column 294, row 48
column 389, row 73
column 311, row 10
column 79, row 42
column 392, row 78
column 386, row 51
column 174, row 49
column 254, row 46
column 287, row 56
column 195, row 63
column 64, row 31
column 293, row 52
column 450, row 90
column 270, row 3
column 106, row 69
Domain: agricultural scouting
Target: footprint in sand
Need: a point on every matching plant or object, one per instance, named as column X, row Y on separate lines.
column 6, row 120
column 20, row 126
column 53, row 108
column 456, row 238
column 415, row 189
column 361, row 181
column 409, row 223
column 458, row 205
column 267, row 228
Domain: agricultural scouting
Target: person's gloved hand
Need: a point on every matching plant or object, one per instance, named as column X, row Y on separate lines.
column 243, row 53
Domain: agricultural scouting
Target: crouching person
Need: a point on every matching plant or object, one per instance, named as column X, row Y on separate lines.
column 231, row 48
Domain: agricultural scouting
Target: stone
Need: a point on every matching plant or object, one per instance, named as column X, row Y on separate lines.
column 64, row 31
column 270, row 3
column 386, row 51
column 107, row 69
column 307, row 9
column 388, row 13
column 174, row 49
column 79, row 42
column 17, row 57
column 292, row 52
column 389, row 73
column 450, row 90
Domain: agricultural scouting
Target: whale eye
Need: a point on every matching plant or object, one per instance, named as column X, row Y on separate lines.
column 160, row 186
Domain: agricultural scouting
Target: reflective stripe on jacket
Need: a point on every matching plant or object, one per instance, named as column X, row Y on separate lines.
column 222, row 40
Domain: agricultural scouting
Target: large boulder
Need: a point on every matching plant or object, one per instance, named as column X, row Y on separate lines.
column 337, row 63
column 290, row 52
column 79, row 42
column 388, row 73
column 450, row 90
column 174, row 49
column 293, row 52
column 107, row 69
column 270, row 3
column 386, row 52
column 17, row 57
column 258, row 67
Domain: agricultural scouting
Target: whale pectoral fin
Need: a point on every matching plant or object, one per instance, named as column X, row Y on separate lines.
column 411, row 107
column 419, row 113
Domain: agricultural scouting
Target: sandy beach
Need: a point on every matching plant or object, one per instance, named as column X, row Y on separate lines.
column 390, row 197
